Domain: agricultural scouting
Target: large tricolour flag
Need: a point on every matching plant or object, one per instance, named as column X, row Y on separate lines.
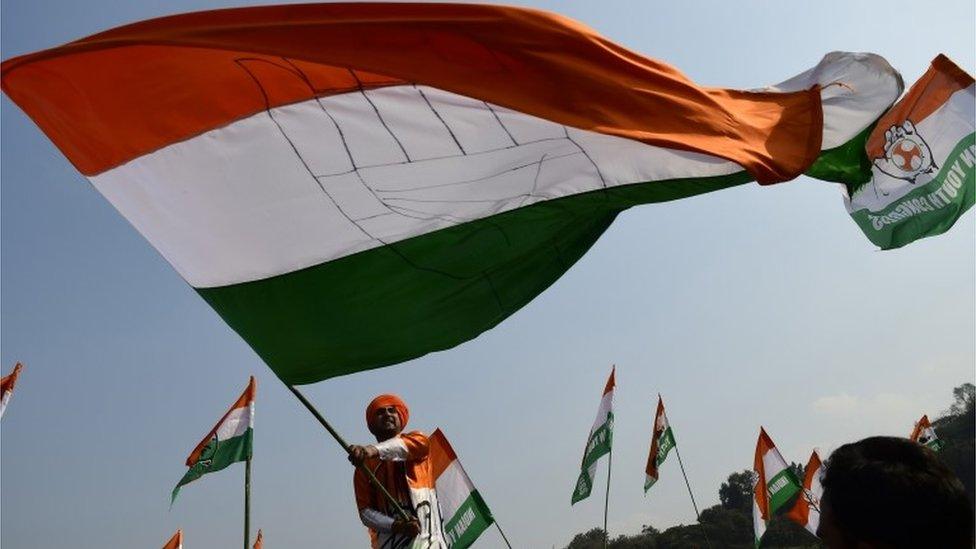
column 175, row 542
column 598, row 443
column 464, row 514
column 662, row 442
column 351, row 185
column 925, row 434
column 923, row 153
column 7, row 384
column 774, row 484
column 228, row 442
column 806, row 510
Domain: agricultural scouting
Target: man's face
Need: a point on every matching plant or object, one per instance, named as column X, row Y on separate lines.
column 386, row 422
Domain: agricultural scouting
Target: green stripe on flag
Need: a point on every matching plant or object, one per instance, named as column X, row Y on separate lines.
column 428, row 293
column 665, row 446
column 599, row 442
column 218, row 455
column 781, row 488
column 469, row 521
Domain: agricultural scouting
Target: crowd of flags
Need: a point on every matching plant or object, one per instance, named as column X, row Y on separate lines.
column 466, row 515
column 775, row 484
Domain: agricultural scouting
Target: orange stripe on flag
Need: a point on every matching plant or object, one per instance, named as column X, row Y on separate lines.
column 933, row 89
column 246, row 398
column 611, row 383
column 8, row 381
column 175, row 542
column 763, row 445
column 112, row 97
column 441, row 453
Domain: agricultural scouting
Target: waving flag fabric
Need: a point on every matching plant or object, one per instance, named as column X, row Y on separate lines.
column 774, row 484
column 175, row 542
column 806, row 510
column 354, row 185
column 7, row 383
column 662, row 442
column 259, row 542
column 464, row 514
column 922, row 153
column 598, row 443
column 228, row 442
column 924, row 434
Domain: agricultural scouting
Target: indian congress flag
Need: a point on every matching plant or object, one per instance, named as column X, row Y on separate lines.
column 228, row 442
column 7, row 384
column 465, row 515
column 354, row 185
column 662, row 441
column 924, row 434
column 599, row 442
column 923, row 155
column 774, row 483
column 806, row 510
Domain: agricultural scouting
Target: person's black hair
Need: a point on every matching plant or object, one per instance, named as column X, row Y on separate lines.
column 893, row 492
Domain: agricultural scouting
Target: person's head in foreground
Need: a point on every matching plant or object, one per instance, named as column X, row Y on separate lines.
column 888, row 492
column 386, row 416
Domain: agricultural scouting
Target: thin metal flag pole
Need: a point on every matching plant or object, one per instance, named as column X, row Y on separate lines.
column 606, row 503
column 345, row 446
column 504, row 537
column 247, row 503
column 693, row 504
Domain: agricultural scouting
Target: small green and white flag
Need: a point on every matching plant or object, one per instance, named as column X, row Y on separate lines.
column 662, row 442
column 464, row 513
column 599, row 442
column 774, row 484
column 924, row 434
column 228, row 442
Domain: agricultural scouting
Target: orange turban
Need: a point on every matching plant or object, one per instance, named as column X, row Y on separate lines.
column 383, row 401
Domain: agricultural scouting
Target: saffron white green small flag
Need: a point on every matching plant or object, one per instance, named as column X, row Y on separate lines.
column 774, row 483
column 259, row 543
column 662, row 441
column 7, row 383
column 175, row 542
column 228, row 442
column 806, row 510
column 924, row 434
column 599, row 442
column 465, row 514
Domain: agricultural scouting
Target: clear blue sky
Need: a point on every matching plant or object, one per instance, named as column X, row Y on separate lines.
column 745, row 307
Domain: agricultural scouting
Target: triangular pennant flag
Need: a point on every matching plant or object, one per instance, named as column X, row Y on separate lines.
column 464, row 513
column 662, row 442
column 806, row 510
column 599, row 442
column 774, row 483
column 7, row 383
column 228, row 442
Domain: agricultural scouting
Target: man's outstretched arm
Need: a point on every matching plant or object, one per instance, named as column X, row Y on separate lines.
column 403, row 447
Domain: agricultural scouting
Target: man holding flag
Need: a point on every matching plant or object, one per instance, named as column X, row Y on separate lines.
column 400, row 461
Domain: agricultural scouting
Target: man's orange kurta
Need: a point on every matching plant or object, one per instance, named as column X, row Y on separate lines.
column 406, row 472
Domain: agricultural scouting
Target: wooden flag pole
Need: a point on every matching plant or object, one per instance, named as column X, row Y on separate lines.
column 606, row 504
column 345, row 446
column 247, row 503
column 693, row 504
